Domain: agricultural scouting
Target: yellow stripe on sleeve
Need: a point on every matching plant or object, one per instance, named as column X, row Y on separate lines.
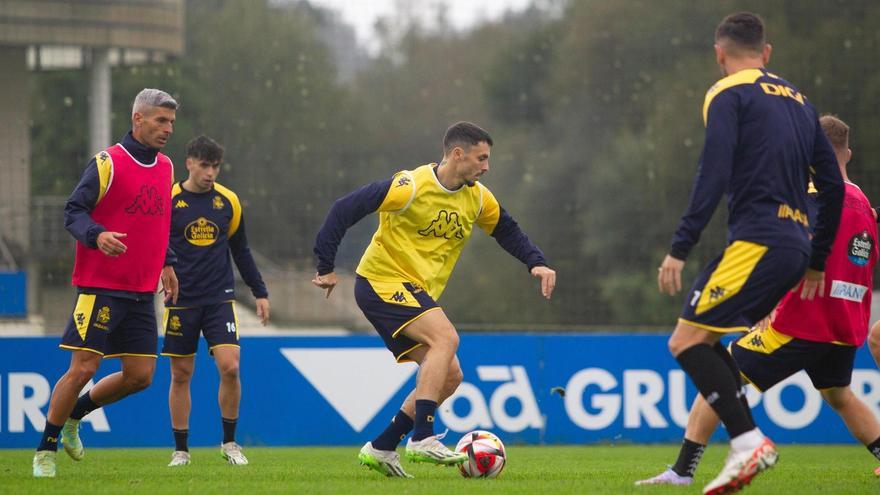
column 748, row 76
column 236, row 207
column 490, row 210
column 105, row 173
column 401, row 193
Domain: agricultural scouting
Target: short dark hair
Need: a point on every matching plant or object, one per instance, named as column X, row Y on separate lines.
column 836, row 130
column 464, row 133
column 205, row 149
column 744, row 29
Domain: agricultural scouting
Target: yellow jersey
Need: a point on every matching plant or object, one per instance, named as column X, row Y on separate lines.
column 423, row 227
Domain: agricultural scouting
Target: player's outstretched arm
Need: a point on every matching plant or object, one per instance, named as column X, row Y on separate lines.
column 110, row 244
column 345, row 212
column 829, row 182
column 79, row 206
column 669, row 275
column 262, row 305
column 812, row 285
column 394, row 194
column 327, row 282
column 244, row 260
column 713, row 174
column 169, row 284
column 495, row 221
column 548, row 279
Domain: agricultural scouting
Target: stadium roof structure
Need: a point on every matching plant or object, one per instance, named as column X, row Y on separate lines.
column 68, row 34
column 61, row 33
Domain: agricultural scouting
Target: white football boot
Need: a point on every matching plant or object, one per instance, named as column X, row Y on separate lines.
column 386, row 462
column 44, row 464
column 179, row 458
column 232, row 453
column 71, row 441
column 741, row 467
column 430, row 450
column 668, row 477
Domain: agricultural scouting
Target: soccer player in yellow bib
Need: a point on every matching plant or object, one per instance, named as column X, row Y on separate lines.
column 426, row 216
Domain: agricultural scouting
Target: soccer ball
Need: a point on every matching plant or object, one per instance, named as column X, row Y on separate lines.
column 486, row 455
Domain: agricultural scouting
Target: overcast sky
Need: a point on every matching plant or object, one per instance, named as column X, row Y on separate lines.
column 462, row 14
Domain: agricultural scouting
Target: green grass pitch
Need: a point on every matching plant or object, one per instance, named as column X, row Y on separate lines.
column 531, row 470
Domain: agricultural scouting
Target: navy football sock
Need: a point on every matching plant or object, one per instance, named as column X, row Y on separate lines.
column 84, row 405
column 424, row 427
column 688, row 458
column 181, row 438
column 396, row 431
column 49, row 441
column 229, row 429
column 874, row 448
column 714, row 381
column 734, row 371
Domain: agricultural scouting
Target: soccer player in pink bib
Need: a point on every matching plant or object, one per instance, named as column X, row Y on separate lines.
column 120, row 215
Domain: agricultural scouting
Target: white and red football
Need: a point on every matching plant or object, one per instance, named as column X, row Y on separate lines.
column 486, row 455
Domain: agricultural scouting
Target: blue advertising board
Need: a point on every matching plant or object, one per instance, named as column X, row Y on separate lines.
column 13, row 294
column 344, row 390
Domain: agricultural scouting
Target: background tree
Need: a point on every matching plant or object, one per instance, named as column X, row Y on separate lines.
column 595, row 107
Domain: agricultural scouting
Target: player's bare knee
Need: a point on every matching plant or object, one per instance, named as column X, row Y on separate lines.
column 137, row 382
column 229, row 371
column 448, row 340
column 443, row 341
column 81, row 372
column 874, row 338
column 453, row 340
column 681, row 341
column 454, row 378
column 838, row 397
column 181, row 376
column 676, row 345
column 80, row 376
column 142, row 383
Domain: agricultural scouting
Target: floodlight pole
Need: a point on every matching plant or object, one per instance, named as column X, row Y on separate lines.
column 99, row 101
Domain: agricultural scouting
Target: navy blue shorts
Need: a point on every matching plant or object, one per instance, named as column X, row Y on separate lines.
column 112, row 326
column 742, row 286
column 766, row 357
column 182, row 326
column 390, row 307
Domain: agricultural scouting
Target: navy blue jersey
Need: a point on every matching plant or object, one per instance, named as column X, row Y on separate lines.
column 205, row 229
column 763, row 140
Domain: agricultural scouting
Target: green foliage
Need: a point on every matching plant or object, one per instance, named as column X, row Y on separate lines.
column 595, row 108
column 515, row 86
column 257, row 79
column 59, row 131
